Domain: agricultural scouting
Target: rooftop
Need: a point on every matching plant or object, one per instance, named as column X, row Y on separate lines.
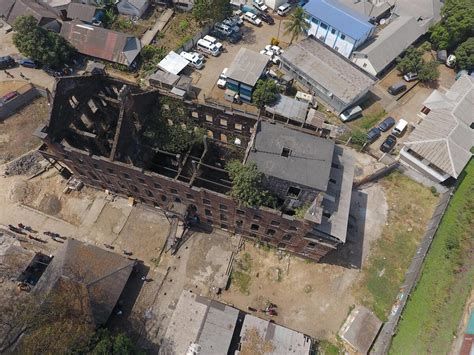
column 280, row 339
column 247, row 67
column 293, row 156
column 445, row 136
column 289, row 108
column 341, row 17
column 324, row 66
column 200, row 320
column 82, row 12
column 100, row 274
column 41, row 11
column 367, row 8
column 101, row 43
column 360, row 329
column 173, row 63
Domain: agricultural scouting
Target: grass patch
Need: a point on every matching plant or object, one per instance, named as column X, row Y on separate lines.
column 367, row 122
column 410, row 205
column 240, row 276
column 325, row 347
column 435, row 307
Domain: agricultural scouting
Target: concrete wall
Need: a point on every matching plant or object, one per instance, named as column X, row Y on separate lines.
column 26, row 95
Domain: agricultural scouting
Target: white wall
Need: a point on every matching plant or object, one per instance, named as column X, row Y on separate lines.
column 337, row 40
column 365, row 64
column 274, row 4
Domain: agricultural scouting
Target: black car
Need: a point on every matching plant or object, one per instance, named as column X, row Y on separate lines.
column 218, row 34
column 266, row 18
column 386, row 124
column 234, row 37
column 373, row 134
column 7, row 62
column 388, row 144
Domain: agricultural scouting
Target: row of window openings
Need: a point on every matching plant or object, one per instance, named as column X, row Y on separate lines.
column 325, row 27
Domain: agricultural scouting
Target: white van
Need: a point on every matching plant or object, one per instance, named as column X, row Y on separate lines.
column 213, row 40
column 400, row 128
column 194, row 58
column 284, row 9
column 207, row 47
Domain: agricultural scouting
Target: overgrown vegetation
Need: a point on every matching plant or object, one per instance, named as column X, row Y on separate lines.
column 240, row 276
column 297, row 24
column 447, row 278
column 266, row 92
column 411, row 205
column 301, row 211
column 206, row 11
column 247, row 185
column 151, row 56
column 412, row 61
column 175, row 138
column 327, row 348
column 465, row 54
column 39, row 44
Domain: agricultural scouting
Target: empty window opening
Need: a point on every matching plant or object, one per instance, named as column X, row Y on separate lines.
column 208, row 212
column 271, row 232
column 254, row 227
column 327, row 214
column 287, row 237
column 285, row 152
column 332, row 181
column 293, row 192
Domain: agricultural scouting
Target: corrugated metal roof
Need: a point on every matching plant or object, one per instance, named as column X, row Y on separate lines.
column 444, row 137
column 340, row 17
column 247, row 67
column 173, row 63
column 83, row 12
column 101, row 43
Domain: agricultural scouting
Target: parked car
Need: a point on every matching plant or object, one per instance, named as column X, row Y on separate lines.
column 28, row 63
column 235, row 37
column 260, row 5
column 222, row 79
column 218, row 34
column 266, row 18
column 195, row 59
column 225, row 29
column 397, row 88
column 233, row 26
column 284, row 9
column 237, row 20
column 400, row 128
column 252, row 18
column 451, row 61
column 351, row 113
column 213, row 40
column 386, row 124
column 388, row 144
column 207, row 47
column 410, row 76
column 373, row 134
column 6, row 62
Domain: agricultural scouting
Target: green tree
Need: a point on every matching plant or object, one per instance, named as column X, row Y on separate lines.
column 297, row 24
column 201, row 10
column 247, row 185
column 358, row 138
column 39, row 44
column 265, row 93
column 456, row 25
column 211, row 10
column 428, row 71
column 465, row 54
column 412, row 61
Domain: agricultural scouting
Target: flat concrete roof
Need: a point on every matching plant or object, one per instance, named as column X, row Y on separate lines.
column 173, row 63
column 328, row 68
column 308, row 162
column 360, row 329
column 247, row 67
column 289, row 108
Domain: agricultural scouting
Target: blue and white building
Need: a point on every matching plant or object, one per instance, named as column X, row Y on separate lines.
column 337, row 25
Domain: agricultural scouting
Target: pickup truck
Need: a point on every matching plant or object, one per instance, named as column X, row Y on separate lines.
column 252, row 18
column 260, row 5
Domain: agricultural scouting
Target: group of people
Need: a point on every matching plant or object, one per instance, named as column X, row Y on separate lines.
column 10, row 75
column 26, row 230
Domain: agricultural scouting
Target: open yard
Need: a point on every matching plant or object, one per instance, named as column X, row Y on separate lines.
column 410, row 206
column 16, row 135
column 435, row 307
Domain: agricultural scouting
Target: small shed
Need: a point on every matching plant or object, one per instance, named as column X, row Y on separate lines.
column 173, row 63
column 287, row 108
column 360, row 329
column 248, row 66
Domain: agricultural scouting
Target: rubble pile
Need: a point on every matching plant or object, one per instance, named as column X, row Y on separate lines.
column 29, row 164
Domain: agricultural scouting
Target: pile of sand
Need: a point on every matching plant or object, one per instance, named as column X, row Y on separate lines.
column 18, row 191
column 50, row 204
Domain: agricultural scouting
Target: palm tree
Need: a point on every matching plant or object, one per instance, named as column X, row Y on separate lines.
column 297, row 24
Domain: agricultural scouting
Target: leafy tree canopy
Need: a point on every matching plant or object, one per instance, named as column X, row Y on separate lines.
column 456, row 25
column 412, row 61
column 211, row 10
column 465, row 54
column 247, row 186
column 265, row 93
column 429, row 71
column 39, row 44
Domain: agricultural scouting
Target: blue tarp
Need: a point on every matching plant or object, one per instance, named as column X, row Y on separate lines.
column 340, row 17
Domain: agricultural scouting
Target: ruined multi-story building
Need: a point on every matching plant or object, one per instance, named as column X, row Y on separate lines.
column 112, row 135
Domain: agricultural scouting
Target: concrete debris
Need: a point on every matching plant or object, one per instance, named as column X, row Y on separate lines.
column 28, row 164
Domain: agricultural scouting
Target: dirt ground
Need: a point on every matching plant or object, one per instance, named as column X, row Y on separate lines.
column 16, row 134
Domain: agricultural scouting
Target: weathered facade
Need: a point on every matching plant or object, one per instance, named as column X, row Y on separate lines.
column 96, row 129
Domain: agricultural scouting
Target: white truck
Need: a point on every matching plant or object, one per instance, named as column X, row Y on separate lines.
column 260, row 5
